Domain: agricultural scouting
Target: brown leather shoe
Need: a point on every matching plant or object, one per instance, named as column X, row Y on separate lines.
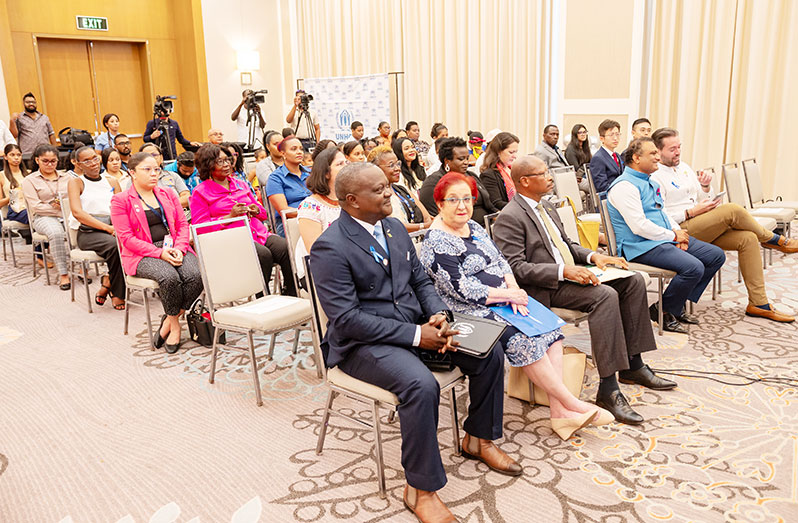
column 427, row 506
column 772, row 314
column 786, row 245
column 485, row 451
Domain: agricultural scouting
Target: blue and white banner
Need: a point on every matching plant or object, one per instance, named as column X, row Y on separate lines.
column 339, row 101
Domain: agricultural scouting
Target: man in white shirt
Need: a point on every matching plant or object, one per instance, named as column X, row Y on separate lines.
column 646, row 234
column 240, row 118
column 304, row 123
column 690, row 201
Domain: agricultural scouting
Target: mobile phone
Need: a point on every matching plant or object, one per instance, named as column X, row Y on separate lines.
column 719, row 196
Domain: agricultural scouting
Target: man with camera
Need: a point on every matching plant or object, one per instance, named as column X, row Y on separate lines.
column 249, row 102
column 163, row 131
column 303, row 122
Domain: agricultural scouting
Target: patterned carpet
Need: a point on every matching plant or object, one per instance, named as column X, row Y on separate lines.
column 97, row 427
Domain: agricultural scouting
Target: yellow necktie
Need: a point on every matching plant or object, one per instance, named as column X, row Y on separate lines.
column 565, row 252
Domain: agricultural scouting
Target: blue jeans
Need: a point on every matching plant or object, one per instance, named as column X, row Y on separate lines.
column 694, row 269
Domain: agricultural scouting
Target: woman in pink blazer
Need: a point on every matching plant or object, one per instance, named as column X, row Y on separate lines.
column 153, row 235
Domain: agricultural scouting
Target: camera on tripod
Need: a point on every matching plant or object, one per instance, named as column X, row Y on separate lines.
column 254, row 98
column 163, row 105
column 304, row 101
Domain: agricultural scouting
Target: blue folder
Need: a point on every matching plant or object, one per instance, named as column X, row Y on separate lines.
column 539, row 321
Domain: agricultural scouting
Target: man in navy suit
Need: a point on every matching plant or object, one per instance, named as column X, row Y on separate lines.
column 606, row 164
column 383, row 313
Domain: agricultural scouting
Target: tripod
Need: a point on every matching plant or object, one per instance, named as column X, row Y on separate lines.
column 252, row 128
column 308, row 143
column 165, row 140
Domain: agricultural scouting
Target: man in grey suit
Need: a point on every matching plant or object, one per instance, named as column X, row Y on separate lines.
column 548, row 150
column 549, row 266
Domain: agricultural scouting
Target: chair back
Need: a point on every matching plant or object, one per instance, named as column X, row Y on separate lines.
column 716, row 180
column 490, row 219
column 565, row 185
column 318, row 323
column 292, row 236
column 268, row 206
column 66, row 213
column 228, row 261
column 594, row 196
column 566, row 214
column 753, row 180
column 609, row 231
column 417, row 237
column 735, row 186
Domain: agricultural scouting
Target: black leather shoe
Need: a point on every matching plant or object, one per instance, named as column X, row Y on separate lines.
column 670, row 323
column 645, row 376
column 171, row 348
column 616, row 403
column 687, row 318
column 653, row 312
column 159, row 341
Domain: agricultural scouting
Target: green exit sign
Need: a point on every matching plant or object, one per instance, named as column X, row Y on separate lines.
column 92, row 23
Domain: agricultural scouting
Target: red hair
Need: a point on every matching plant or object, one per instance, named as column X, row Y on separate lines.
column 450, row 179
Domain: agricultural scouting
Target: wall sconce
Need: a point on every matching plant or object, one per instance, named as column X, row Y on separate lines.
column 248, row 60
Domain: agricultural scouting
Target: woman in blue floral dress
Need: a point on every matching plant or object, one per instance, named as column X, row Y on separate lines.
column 470, row 274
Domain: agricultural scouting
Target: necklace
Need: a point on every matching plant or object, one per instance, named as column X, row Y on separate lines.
column 330, row 201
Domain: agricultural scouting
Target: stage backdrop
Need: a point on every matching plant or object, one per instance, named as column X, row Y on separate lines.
column 339, row 101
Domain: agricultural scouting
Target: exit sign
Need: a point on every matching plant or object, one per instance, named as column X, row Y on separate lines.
column 92, row 23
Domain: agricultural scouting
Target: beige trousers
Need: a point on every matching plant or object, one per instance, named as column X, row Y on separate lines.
column 732, row 228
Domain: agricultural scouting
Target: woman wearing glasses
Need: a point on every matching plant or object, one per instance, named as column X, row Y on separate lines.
column 43, row 189
column 153, row 240
column 470, row 274
column 221, row 195
column 405, row 206
column 578, row 154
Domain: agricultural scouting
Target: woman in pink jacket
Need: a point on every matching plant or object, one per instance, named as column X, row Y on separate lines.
column 221, row 195
column 153, row 235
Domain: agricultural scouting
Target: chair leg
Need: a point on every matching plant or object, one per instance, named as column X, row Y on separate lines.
column 375, row 413
column 127, row 308
column 72, row 280
column 692, row 307
column 3, row 236
column 255, row 379
column 86, row 285
column 149, row 319
column 455, row 422
column 715, row 286
column 271, row 345
column 46, row 268
column 659, row 307
column 391, row 416
column 11, row 246
column 325, row 420
column 34, row 259
column 214, row 352
column 296, row 341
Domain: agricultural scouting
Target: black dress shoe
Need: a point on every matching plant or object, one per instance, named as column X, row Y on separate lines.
column 159, row 340
column 616, row 403
column 645, row 376
column 171, row 348
column 687, row 318
column 670, row 323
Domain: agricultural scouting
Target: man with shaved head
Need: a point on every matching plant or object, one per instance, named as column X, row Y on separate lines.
column 384, row 318
column 215, row 136
column 549, row 266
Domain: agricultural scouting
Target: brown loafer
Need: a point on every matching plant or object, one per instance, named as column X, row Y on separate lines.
column 772, row 314
column 428, row 507
column 786, row 245
column 488, row 453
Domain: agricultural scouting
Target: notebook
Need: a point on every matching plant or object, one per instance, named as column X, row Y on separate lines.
column 539, row 321
column 477, row 335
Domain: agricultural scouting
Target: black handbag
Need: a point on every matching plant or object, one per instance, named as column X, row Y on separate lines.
column 200, row 328
column 435, row 361
column 74, row 138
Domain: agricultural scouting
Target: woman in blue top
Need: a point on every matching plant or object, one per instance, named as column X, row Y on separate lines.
column 106, row 140
column 286, row 187
column 470, row 274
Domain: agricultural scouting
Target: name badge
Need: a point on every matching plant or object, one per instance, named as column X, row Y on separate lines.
column 168, row 242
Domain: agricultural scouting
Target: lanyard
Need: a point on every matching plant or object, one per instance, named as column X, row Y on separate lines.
column 408, row 208
column 160, row 212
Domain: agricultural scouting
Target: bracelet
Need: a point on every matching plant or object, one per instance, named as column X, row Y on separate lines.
column 704, row 186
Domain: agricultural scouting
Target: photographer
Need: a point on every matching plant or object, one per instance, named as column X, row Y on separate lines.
column 248, row 101
column 154, row 133
column 304, row 122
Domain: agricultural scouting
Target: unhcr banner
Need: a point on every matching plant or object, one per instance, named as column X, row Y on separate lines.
column 341, row 100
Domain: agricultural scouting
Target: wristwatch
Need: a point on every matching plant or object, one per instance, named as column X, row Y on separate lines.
column 448, row 314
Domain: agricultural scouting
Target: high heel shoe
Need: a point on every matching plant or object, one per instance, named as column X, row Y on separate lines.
column 565, row 427
column 159, row 340
column 604, row 417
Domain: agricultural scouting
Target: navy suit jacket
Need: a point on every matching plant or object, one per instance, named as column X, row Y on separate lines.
column 604, row 169
column 366, row 301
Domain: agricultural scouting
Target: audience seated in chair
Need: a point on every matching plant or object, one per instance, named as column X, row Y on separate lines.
column 122, row 144
column 11, row 197
column 413, row 173
column 353, row 151
column 606, row 165
column 286, row 186
column 168, row 179
column 90, row 202
column 220, row 195
column 548, row 151
column 153, row 240
column 376, row 334
column 690, row 201
column 578, row 154
column 640, row 128
column 495, row 169
column 112, row 163
column 646, row 234
column 549, row 266
column 405, row 205
column 437, row 132
column 274, row 157
column 470, row 274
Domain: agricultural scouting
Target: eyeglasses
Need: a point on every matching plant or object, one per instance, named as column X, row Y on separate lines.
column 581, row 132
column 222, row 161
column 90, row 161
column 394, row 165
column 122, row 143
column 48, row 162
column 147, row 170
column 456, row 201
column 544, row 173
column 155, row 155
column 612, row 135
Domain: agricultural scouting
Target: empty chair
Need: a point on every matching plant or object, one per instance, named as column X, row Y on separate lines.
column 565, row 185
column 756, row 193
column 737, row 191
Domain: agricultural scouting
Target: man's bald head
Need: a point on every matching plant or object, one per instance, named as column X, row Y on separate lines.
column 525, row 165
column 215, row 136
column 349, row 180
column 364, row 191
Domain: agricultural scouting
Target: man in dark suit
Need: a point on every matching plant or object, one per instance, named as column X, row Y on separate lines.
column 549, row 266
column 606, row 164
column 383, row 313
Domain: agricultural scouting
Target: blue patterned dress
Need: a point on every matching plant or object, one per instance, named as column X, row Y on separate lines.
column 464, row 270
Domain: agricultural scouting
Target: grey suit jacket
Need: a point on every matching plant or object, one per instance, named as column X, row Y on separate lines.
column 521, row 238
column 546, row 153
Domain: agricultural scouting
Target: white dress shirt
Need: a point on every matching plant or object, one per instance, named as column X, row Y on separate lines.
column 625, row 197
column 557, row 256
column 680, row 189
column 5, row 137
column 370, row 229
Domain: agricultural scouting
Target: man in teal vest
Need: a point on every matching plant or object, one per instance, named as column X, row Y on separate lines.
column 646, row 234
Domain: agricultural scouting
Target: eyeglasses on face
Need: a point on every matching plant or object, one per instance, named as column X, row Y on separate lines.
column 51, row 161
column 122, row 143
column 155, row 155
column 148, row 170
column 223, row 161
column 90, row 161
column 469, row 200
column 615, row 134
column 394, row 165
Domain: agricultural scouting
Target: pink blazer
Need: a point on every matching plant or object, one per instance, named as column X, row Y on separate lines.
column 133, row 231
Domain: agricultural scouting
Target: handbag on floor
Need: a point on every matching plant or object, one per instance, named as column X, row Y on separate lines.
column 573, row 375
column 200, row 328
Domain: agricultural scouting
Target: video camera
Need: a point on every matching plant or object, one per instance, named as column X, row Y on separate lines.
column 304, row 101
column 163, row 105
column 254, row 98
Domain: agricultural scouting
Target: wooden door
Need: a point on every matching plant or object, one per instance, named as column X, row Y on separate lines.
column 67, row 84
column 119, row 77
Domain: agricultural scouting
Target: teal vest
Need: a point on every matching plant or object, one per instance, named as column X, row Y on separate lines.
column 629, row 244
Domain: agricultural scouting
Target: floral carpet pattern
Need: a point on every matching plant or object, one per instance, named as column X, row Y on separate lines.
column 96, row 426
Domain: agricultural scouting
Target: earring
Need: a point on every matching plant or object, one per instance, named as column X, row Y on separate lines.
column 446, row 168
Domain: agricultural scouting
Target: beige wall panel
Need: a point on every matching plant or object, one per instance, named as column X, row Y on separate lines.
column 592, row 121
column 598, row 49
